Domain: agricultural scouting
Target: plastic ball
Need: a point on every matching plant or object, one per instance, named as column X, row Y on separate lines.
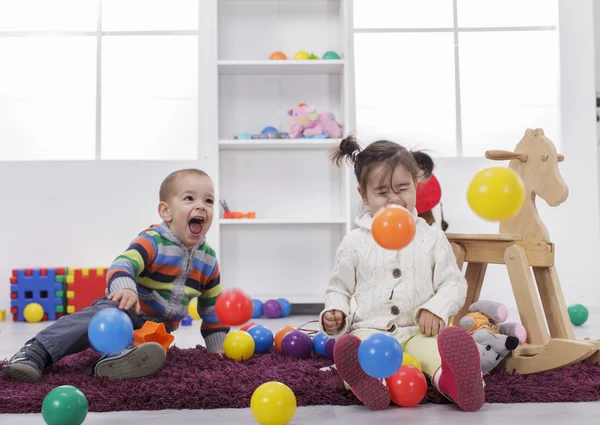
column 380, row 355
column 33, row 312
column 257, row 309
column 301, row 55
column 238, row 345
column 233, row 307
column 496, row 194
column 331, row 55
column 273, row 403
column 329, row 345
column 272, row 309
column 280, row 334
column 110, row 331
column 268, row 130
column 296, row 344
column 318, row 343
column 393, row 227
column 409, row 360
column 278, row 56
column 286, row 307
column 247, row 326
column 407, row 386
column 578, row 314
column 193, row 309
column 263, row 338
column 187, row 321
column 64, row 405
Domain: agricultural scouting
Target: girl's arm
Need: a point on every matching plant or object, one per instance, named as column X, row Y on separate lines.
column 341, row 285
column 449, row 285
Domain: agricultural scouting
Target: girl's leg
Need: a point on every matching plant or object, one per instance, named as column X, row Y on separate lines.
column 452, row 363
column 371, row 391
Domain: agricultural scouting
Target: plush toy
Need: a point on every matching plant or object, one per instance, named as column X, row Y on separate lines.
column 305, row 121
column 494, row 338
column 429, row 194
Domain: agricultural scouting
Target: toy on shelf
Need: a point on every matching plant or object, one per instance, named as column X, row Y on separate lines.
column 306, row 121
column 269, row 133
column 331, row 55
column 494, row 338
column 42, row 286
column 153, row 332
column 278, row 56
column 84, row 286
column 304, row 55
column 228, row 214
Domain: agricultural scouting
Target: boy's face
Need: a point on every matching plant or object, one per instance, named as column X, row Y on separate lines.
column 190, row 208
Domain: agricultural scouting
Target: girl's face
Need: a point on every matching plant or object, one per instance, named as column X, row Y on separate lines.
column 380, row 192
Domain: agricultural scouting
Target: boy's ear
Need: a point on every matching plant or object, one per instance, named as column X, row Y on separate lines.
column 165, row 212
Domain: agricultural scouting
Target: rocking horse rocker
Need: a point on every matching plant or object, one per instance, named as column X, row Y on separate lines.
column 521, row 243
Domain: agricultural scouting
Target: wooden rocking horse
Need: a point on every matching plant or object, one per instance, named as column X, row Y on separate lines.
column 523, row 242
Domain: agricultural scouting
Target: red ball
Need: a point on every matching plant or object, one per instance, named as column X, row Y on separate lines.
column 247, row 326
column 407, row 386
column 233, row 307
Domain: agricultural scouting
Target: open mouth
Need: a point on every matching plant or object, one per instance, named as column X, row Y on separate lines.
column 196, row 224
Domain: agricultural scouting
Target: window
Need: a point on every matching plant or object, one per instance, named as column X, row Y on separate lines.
column 456, row 77
column 98, row 79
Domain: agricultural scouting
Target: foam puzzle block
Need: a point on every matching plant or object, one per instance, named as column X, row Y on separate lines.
column 42, row 286
column 84, row 286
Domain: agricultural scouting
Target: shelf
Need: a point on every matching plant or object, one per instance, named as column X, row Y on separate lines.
column 263, row 67
column 267, row 221
column 286, row 144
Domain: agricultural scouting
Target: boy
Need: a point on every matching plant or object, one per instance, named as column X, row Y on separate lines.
column 162, row 270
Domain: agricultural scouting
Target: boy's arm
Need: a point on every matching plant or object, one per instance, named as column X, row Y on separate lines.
column 449, row 284
column 213, row 331
column 127, row 267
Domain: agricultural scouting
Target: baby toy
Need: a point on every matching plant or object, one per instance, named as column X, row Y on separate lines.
column 429, row 194
column 227, row 213
column 278, row 55
column 307, row 122
column 494, row 338
column 267, row 133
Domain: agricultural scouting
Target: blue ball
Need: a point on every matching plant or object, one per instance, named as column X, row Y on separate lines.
column 268, row 130
column 286, row 307
column 257, row 309
column 319, row 341
column 380, row 355
column 263, row 338
column 110, row 331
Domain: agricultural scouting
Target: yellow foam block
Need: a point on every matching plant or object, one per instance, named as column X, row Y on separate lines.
column 70, row 309
column 70, row 279
column 70, row 294
column 99, row 271
column 2, row 315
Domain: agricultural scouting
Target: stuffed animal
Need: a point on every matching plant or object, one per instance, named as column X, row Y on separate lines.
column 494, row 338
column 429, row 194
column 307, row 122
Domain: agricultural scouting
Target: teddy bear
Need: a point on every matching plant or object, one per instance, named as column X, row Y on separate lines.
column 306, row 122
column 494, row 338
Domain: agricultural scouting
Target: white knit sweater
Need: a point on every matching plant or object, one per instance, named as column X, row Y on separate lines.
column 385, row 290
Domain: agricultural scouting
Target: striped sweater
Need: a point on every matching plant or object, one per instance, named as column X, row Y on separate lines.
column 166, row 277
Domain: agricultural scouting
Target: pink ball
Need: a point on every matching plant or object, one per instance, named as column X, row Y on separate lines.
column 272, row 309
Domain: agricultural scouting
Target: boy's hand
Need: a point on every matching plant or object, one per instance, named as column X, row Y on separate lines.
column 128, row 298
column 333, row 321
column 430, row 324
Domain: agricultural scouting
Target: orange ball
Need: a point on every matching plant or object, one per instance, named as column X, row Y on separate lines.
column 280, row 334
column 393, row 227
column 278, row 56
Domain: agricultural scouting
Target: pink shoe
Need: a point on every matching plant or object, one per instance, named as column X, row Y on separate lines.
column 370, row 391
column 459, row 378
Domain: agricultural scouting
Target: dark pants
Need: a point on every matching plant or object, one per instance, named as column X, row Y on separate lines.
column 69, row 334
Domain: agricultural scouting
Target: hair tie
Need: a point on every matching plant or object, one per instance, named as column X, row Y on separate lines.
column 355, row 154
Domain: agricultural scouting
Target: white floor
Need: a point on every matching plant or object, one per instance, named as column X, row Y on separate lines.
column 12, row 335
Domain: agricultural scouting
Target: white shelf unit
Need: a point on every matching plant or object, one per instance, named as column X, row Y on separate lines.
column 302, row 201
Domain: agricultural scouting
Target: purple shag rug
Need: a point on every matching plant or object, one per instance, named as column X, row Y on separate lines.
column 196, row 379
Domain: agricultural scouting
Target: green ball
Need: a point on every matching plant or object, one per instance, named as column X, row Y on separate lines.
column 64, row 405
column 578, row 314
column 331, row 55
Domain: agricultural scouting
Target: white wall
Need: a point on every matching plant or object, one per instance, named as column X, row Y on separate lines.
column 573, row 226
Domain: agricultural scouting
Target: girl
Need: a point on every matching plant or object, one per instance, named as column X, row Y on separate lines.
column 409, row 294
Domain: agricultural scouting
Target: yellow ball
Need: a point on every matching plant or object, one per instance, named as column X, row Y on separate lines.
column 238, row 345
column 409, row 360
column 496, row 194
column 33, row 312
column 301, row 55
column 193, row 309
column 273, row 403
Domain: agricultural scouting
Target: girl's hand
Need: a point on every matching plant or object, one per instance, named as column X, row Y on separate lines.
column 128, row 298
column 430, row 324
column 333, row 321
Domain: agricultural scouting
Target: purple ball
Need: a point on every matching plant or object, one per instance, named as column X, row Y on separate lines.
column 272, row 309
column 329, row 348
column 297, row 344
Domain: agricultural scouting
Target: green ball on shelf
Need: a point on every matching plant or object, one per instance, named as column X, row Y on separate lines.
column 578, row 314
column 331, row 55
